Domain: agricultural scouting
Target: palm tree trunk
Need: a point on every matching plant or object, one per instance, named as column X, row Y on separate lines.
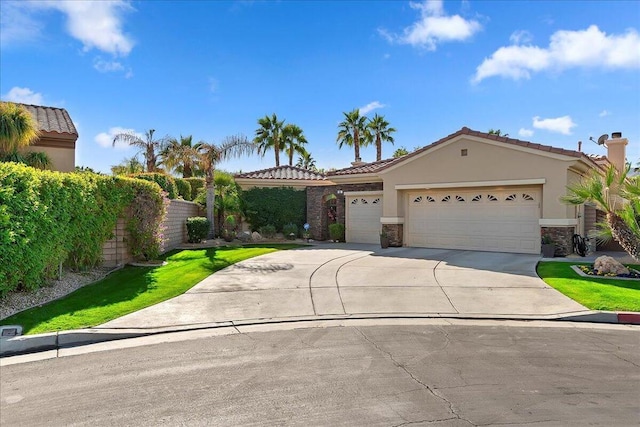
column 291, row 156
column 356, row 145
column 276, row 149
column 624, row 235
column 378, row 148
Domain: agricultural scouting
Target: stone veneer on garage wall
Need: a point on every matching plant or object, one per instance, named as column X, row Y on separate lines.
column 115, row 251
column 394, row 233
column 317, row 211
column 562, row 237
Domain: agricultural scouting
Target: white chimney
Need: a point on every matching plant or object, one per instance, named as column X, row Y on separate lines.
column 616, row 150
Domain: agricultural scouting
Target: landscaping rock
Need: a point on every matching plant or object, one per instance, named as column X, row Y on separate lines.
column 255, row 236
column 606, row 264
column 244, row 236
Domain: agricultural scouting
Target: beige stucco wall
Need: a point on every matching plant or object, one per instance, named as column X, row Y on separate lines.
column 62, row 159
column 485, row 161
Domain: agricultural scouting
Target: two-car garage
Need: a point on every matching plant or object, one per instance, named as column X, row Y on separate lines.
column 500, row 220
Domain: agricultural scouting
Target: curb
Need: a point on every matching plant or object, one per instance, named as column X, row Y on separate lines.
column 26, row 344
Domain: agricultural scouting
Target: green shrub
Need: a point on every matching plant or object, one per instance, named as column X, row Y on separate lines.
column 197, row 228
column 166, row 182
column 268, row 231
column 290, row 231
column 196, row 185
column 275, row 206
column 336, row 232
column 48, row 218
column 184, row 188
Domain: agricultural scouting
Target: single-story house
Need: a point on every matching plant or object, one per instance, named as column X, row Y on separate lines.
column 469, row 190
column 58, row 136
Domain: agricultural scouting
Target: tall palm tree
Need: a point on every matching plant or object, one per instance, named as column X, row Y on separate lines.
column 352, row 132
column 381, row 131
column 181, row 156
column 18, row 128
column 211, row 155
column 269, row 136
column 150, row 146
column 293, row 141
column 619, row 197
column 305, row 161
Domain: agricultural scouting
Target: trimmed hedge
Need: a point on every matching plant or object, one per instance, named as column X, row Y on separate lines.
column 166, row 182
column 274, row 206
column 197, row 228
column 196, row 185
column 336, row 232
column 48, row 218
column 184, row 188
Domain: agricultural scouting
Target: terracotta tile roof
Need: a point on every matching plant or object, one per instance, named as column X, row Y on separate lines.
column 384, row 164
column 283, row 172
column 365, row 167
column 52, row 119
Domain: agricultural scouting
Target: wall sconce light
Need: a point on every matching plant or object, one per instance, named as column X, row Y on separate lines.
column 340, row 192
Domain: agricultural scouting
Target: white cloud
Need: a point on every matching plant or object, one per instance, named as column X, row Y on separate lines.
column 107, row 66
column 105, row 139
column 16, row 23
column 97, row 24
column 604, row 113
column 561, row 125
column 588, row 48
column 525, row 133
column 370, row 107
column 433, row 27
column 23, row 95
column 521, row 37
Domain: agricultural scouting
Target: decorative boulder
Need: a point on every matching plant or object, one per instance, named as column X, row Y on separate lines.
column 606, row 264
column 244, row 236
column 255, row 236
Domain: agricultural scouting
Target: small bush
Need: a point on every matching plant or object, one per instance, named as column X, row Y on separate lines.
column 184, row 188
column 197, row 228
column 290, row 231
column 166, row 182
column 336, row 232
column 268, row 231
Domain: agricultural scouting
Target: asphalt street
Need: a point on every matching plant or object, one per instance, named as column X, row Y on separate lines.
column 437, row 373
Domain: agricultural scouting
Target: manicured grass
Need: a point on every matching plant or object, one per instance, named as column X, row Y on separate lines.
column 133, row 288
column 596, row 294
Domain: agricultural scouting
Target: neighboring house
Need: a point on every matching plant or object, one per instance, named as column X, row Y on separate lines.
column 282, row 176
column 57, row 138
column 470, row 190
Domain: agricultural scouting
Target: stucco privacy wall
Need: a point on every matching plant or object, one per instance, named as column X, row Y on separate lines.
column 485, row 161
column 115, row 251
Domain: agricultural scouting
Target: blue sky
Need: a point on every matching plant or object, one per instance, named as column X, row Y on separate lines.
column 547, row 72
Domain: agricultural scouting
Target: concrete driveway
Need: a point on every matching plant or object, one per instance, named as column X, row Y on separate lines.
column 349, row 280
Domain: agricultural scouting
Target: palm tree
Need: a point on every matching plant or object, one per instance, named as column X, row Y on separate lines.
column 380, row 129
column 181, row 156
column 497, row 132
column 353, row 132
column 227, row 200
column 150, row 146
column 128, row 166
column 211, row 155
column 18, row 128
column 619, row 197
column 293, row 141
column 269, row 136
column 305, row 161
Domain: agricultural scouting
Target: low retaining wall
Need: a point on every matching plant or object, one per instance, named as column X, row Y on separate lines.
column 115, row 252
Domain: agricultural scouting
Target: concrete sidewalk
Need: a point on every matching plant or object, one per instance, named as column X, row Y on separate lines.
column 354, row 280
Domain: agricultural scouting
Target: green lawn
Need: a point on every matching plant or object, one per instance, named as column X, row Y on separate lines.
column 133, row 288
column 596, row 294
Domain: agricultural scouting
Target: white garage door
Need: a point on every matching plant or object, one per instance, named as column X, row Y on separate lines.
column 363, row 219
column 485, row 220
